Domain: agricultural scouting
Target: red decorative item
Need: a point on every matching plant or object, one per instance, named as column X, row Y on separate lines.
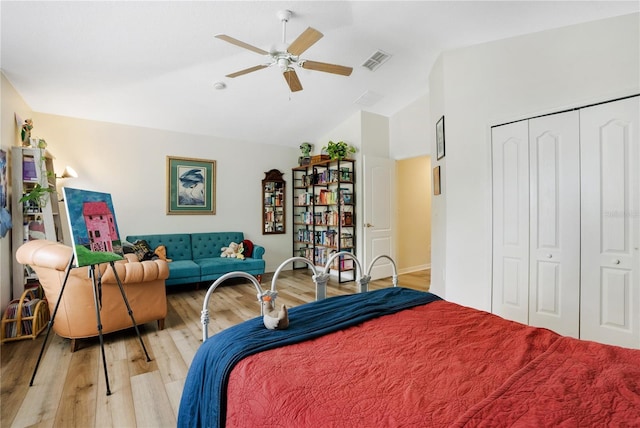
column 248, row 248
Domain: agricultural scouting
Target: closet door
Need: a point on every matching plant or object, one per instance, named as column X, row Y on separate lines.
column 554, row 250
column 510, row 157
column 610, row 299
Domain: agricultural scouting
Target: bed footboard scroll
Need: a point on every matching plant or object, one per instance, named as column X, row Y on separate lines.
column 204, row 314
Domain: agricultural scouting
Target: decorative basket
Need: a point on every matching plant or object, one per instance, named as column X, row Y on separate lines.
column 319, row 158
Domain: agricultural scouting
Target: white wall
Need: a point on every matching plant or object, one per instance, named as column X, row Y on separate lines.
column 493, row 83
column 130, row 164
column 438, row 202
column 409, row 130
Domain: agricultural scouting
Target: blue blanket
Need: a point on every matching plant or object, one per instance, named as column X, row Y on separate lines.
column 203, row 400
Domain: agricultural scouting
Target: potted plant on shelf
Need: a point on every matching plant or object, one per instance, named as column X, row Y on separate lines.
column 36, row 197
column 339, row 150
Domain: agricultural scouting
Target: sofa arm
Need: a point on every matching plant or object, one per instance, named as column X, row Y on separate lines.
column 44, row 253
column 258, row 252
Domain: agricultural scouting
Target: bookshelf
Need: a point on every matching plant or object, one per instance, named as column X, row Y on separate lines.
column 324, row 214
column 273, row 203
column 32, row 167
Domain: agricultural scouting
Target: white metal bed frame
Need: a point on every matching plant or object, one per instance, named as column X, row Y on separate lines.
column 320, row 280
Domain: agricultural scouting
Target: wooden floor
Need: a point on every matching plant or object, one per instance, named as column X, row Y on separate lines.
column 69, row 389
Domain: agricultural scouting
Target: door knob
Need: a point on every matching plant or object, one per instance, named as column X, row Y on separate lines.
column 616, row 262
column 368, row 225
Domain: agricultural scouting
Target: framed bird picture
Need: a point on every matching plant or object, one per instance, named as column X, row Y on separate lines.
column 191, row 187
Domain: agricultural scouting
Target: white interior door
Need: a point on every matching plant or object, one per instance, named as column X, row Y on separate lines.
column 378, row 217
column 554, row 235
column 510, row 157
column 610, row 299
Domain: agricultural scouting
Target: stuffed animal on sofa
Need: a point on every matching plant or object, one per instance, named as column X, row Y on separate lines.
column 234, row 250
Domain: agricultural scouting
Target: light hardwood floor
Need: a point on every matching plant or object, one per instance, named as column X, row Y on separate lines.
column 70, row 391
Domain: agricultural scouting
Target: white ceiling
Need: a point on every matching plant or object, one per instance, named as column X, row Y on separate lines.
column 153, row 64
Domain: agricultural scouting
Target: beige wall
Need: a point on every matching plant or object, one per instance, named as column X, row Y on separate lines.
column 130, row 163
column 413, row 214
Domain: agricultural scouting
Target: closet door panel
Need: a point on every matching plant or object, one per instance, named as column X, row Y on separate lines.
column 510, row 157
column 554, row 290
column 610, row 272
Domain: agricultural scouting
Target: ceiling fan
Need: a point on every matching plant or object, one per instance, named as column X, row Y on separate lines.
column 286, row 57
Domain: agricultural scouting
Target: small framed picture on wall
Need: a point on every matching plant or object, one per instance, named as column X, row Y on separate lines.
column 440, row 138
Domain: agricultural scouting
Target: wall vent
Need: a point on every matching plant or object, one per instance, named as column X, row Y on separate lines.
column 378, row 58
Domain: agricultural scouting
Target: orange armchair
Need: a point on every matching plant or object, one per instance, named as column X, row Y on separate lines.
column 143, row 283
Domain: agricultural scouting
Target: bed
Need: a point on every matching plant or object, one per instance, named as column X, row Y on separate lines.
column 400, row 357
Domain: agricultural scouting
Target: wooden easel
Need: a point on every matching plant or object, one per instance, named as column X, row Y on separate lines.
column 97, row 291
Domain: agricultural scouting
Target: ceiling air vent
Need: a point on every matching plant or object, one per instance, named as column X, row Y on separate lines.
column 376, row 60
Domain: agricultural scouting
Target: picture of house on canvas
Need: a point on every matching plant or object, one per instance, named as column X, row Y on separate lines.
column 93, row 226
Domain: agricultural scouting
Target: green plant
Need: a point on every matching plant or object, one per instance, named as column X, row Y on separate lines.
column 37, row 196
column 338, row 150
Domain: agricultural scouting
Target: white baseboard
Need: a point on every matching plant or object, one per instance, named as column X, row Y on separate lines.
column 414, row 268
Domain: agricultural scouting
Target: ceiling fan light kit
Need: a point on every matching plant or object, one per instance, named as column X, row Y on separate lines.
column 286, row 58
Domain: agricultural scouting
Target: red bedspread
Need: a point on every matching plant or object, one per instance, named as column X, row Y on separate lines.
column 437, row 365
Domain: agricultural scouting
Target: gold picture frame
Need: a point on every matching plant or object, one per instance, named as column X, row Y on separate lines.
column 436, row 180
column 191, row 186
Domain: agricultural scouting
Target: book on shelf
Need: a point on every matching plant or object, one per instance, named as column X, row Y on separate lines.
column 346, row 196
column 346, row 240
column 347, row 218
column 29, row 172
column 327, row 197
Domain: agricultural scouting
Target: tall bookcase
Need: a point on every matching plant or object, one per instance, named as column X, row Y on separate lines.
column 30, row 167
column 324, row 214
column 273, row 203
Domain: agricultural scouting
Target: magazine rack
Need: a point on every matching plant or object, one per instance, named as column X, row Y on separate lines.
column 25, row 318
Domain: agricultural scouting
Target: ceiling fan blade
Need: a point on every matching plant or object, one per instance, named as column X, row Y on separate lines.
column 292, row 80
column 304, row 41
column 247, row 70
column 327, row 68
column 241, row 44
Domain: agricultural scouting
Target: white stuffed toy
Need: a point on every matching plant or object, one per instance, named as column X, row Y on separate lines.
column 233, row 251
column 273, row 319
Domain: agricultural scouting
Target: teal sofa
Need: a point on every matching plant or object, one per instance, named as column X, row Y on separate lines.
column 195, row 257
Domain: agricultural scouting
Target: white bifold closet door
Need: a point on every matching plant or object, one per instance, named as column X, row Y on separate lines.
column 536, row 211
column 566, row 222
column 554, row 225
column 610, row 196
column 510, row 157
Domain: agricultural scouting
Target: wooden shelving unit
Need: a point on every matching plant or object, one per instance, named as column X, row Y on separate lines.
column 30, row 167
column 324, row 214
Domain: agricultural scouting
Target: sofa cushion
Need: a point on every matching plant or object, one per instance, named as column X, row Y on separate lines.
column 209, row 244
column 178, row 244
column 184, row 269
column 142, row 250
column 220, row 265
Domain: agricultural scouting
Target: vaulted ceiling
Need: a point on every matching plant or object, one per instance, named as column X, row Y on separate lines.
column 154, row 64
